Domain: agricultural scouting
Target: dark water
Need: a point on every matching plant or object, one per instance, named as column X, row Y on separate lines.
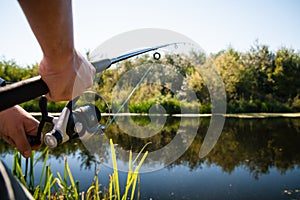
column 253, row 159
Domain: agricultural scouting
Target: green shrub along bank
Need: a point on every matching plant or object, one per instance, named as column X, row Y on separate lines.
column 257, row 106
column 236, row 107
column 257, row 80
column 174, row 107
column 170, row 107
column 33, row 106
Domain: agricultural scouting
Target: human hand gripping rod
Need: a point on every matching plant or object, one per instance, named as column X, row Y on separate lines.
column 31, row 88
column 28, row 89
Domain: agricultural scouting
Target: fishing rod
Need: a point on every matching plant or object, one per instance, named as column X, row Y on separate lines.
column 73, row 121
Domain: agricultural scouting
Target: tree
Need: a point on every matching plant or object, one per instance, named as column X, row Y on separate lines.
column 286, row 75
column 11, row 72
column 230, row 67
column 256, row 81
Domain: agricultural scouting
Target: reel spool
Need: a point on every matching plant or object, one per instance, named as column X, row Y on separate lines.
column 81, row 118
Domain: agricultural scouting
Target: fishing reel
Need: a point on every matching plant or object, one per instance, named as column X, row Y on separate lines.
column 74, row 121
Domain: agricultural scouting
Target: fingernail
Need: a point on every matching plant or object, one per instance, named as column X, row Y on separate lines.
column 27, row 153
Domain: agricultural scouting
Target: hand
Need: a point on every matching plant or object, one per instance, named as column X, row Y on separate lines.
column 67, row 77
column 64, row 70
column 15, row 123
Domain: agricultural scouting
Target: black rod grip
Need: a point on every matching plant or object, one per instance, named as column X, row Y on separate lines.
column 22, row 91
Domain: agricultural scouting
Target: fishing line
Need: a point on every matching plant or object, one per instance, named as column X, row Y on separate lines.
column 131, row 93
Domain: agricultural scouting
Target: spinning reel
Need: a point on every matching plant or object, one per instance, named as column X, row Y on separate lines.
column 74, row 121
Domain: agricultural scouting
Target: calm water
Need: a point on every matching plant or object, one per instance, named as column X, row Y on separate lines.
column 253, row 159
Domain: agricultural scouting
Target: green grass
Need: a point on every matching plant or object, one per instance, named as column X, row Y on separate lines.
column 57, row 186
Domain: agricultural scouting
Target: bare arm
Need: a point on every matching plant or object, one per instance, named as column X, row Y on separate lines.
column 52, row 23
column 64, row 70
column 66, row 73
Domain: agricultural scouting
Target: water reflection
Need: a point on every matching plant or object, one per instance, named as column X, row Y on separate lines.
column 257, row 145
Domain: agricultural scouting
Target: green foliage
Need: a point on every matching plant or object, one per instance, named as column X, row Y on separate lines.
column 11, row 72
column 205, row 108
column 258, row 80
column 33, row 106
column 142, row 107
column 53, row 186
column 286, row 75
column 296, row 104
column 172, row 106
column 252, row 106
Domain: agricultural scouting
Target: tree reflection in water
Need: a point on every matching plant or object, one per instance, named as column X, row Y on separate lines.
column 256, row 144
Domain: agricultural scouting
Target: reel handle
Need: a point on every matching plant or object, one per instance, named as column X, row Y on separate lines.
column 33, row 140
column 36, row 140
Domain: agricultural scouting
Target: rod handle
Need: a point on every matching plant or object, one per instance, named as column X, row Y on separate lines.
column 22, row 91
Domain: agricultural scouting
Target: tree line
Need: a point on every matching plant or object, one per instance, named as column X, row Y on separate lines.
column 258, row 80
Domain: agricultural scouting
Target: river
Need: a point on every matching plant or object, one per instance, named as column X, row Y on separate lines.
column 254, row 158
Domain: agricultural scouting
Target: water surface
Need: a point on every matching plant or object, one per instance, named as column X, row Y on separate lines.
column 253, row 159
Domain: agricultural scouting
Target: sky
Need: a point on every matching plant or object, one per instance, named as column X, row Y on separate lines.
column 213, row 24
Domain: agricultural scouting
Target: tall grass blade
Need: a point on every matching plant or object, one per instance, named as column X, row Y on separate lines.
column 61, row 183
column 36, row 192
column 110, row 186
column 45, row 150
column 44, row 168
column 31, row 172
column 135, row 174
column 20, row 174
column 115, row 174
column 48, row 183
column 89, row 191
column 141, row 151
column 47, row 189
column 133, row 187
column 129, row 176
column 75, row 192
column 140, row 163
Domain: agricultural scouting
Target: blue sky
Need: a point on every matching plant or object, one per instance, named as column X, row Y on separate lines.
column 213, row 24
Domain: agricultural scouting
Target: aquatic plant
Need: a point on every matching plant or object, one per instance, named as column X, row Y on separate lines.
column 56, row 186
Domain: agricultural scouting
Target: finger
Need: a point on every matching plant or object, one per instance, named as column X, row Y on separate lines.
column 21, row 142
column 31, row 128
column 33, row 132
column 8, row 140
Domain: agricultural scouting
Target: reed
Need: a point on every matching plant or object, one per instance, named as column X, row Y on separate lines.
column 55, row 186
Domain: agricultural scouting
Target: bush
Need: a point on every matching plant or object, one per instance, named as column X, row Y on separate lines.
column 142, row 107
column 296, row 104
column 171, row 106
column 244, row 106
column 33, row 106
column 206, row 108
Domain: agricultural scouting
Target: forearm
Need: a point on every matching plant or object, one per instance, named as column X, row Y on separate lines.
column 51, row 22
